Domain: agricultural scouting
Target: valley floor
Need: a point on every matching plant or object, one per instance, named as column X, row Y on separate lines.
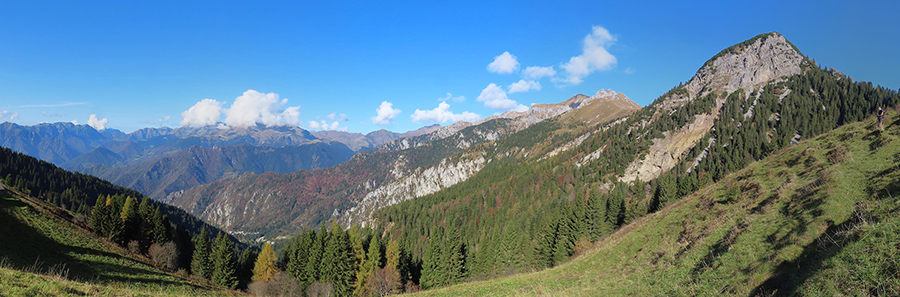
column 818, row 218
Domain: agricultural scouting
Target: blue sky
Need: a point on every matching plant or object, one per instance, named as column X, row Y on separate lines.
column 135, row 64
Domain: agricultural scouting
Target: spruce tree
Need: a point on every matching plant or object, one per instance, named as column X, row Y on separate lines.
column 200, row 260
column 224, row 263
column 368, row 266
column 246, row 263
column 455, row 257
column 337, row 262
column 299, row 255
column 160, row 227
column 265, row 268
column 312, row 271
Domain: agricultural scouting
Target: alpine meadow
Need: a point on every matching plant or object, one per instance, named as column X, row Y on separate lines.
column 764, row 173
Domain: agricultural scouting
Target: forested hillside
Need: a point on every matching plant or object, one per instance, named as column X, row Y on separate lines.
column 168, row 235
column 43, row 252
column 522, row 216
column 814, row 219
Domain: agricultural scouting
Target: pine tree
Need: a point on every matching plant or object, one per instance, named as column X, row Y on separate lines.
column 368, row 266
column 132, row 219
column 455, row 257
column 246, row 263
column 299, row 255
column 200, row 261
column 430, row 262
column 337, row 262
column 312, row 271
column 160, row 227
column 265, row 267
column 224, row 263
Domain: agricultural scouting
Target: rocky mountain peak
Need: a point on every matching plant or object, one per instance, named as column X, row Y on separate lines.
column 747, row 65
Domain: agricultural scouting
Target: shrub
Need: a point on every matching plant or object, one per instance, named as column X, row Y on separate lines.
column 165, row 255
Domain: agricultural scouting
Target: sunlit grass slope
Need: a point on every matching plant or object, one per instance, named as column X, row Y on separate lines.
column 45, row 255
column 819, row 218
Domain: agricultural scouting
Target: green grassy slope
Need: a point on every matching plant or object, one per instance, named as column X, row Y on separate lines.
column 818, row 218
column 42, row 254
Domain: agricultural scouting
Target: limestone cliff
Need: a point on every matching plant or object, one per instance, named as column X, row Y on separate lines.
column 751, row 65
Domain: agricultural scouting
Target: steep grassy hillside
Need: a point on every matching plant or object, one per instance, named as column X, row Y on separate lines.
column 818, row 218
column 42, row 254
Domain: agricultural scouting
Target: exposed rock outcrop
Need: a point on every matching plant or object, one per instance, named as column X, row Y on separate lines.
column 751, row 65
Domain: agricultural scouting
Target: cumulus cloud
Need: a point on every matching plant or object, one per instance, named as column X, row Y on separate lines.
column 504, row 63
column 254, row 107
column 442, row 114
column 96, row 123
column 594, row 57
column 537, row 72
column 386, row 113
column 207, row 112
column 4, row 114
column 524, row 86
column 454, row 99
column 494, row 97
column 249, row 109
column 324, row 125
column 291, row 115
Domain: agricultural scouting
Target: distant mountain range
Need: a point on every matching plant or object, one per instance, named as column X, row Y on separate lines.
column 159, row 161
column 273, row 204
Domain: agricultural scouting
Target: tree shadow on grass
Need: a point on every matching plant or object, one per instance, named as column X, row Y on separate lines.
column 28, row 249
column 790, row 275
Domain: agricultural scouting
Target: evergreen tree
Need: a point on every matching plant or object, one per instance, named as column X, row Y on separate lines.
column 246, row 263
column 312, row 271
column 224, row 263
column 299, row 255
column 200, row 261
column 265, row 268
column 337, row 262
column 455, row 256
column 368, row 266
column 430, row 263
column 160, row 227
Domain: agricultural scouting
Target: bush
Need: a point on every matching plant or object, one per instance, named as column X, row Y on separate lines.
column 134, row 247
column 165, row 255
column 385, row 281
column 280, row 285
column 320, row 289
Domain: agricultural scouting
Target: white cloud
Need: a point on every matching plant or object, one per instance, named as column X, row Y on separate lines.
column 494, row 97
column 386, row 113
column 249, row 109
column 254, row 107
column 504, row 63
column 593, row 58
column 454, row 99
column 164, row 119
column 4, row 114
column 323, row 125
column 524, row 86
column 291, row 115
column 204, row 113
column 442, row 114
column 537, row 72
column 96, row 123
column 630, row 70
column 75, row 122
